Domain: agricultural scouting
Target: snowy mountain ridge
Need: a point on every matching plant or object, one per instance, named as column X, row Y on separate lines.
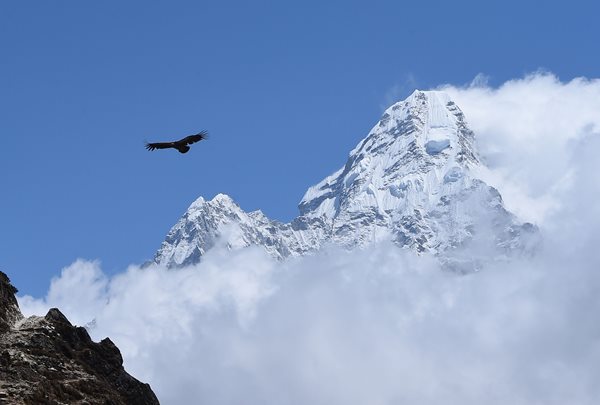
column 413, row 179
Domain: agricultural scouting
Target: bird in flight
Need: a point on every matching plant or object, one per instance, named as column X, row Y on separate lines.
column 181, row 145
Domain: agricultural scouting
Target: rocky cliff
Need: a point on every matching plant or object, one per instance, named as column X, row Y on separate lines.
column 46, row 360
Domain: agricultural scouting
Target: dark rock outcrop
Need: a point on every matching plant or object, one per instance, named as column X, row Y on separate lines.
column 9, row 309
column 46, row 360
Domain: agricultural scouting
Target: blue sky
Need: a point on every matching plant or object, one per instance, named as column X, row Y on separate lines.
column 285, row 90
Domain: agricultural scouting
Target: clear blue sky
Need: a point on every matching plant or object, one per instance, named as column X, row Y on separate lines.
column 285, row 89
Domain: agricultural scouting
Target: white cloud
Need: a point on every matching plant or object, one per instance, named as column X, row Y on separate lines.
column 380, row 325
column 377, row 326
column 526, row 130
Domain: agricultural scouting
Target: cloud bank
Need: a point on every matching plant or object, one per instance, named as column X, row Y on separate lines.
column 527, row 131
column 381, row 325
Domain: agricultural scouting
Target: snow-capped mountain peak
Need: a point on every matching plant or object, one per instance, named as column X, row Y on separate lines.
column 424, row 137
column 412, row 179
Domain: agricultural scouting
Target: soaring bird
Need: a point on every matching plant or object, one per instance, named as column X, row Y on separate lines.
column 181, row 145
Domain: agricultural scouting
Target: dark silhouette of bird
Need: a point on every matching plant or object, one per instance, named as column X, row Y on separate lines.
column 181, row 145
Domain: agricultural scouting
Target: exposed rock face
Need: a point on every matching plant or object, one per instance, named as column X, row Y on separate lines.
column 415, row 179
column 9, row 308
column 46, row 360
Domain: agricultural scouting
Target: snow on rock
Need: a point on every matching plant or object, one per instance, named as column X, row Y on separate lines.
column 412, row 179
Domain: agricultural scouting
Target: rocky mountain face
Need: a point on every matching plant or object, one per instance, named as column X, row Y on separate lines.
column 46, row 360
column 414, row 179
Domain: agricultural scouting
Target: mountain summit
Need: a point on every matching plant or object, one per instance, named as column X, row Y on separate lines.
column 414, row 179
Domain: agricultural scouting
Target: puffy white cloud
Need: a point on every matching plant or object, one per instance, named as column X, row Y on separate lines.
column 527, row 130
column 380, row 325
column 80, row 290
column 376, row 326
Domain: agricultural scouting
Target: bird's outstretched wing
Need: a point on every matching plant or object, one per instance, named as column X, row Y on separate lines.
column 188, row 140
column 181, row 145
column 159, row 145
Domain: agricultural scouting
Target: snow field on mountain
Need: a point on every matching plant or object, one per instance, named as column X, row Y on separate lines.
column 412, row 180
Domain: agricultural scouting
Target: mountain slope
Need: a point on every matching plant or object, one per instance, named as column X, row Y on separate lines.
column 46, row 360
column 413, row 179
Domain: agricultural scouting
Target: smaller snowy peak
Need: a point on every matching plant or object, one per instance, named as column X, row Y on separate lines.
column 198, row 203
column 218, row 200
column 197, row 230
column 222, row 199
column 220, row 220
